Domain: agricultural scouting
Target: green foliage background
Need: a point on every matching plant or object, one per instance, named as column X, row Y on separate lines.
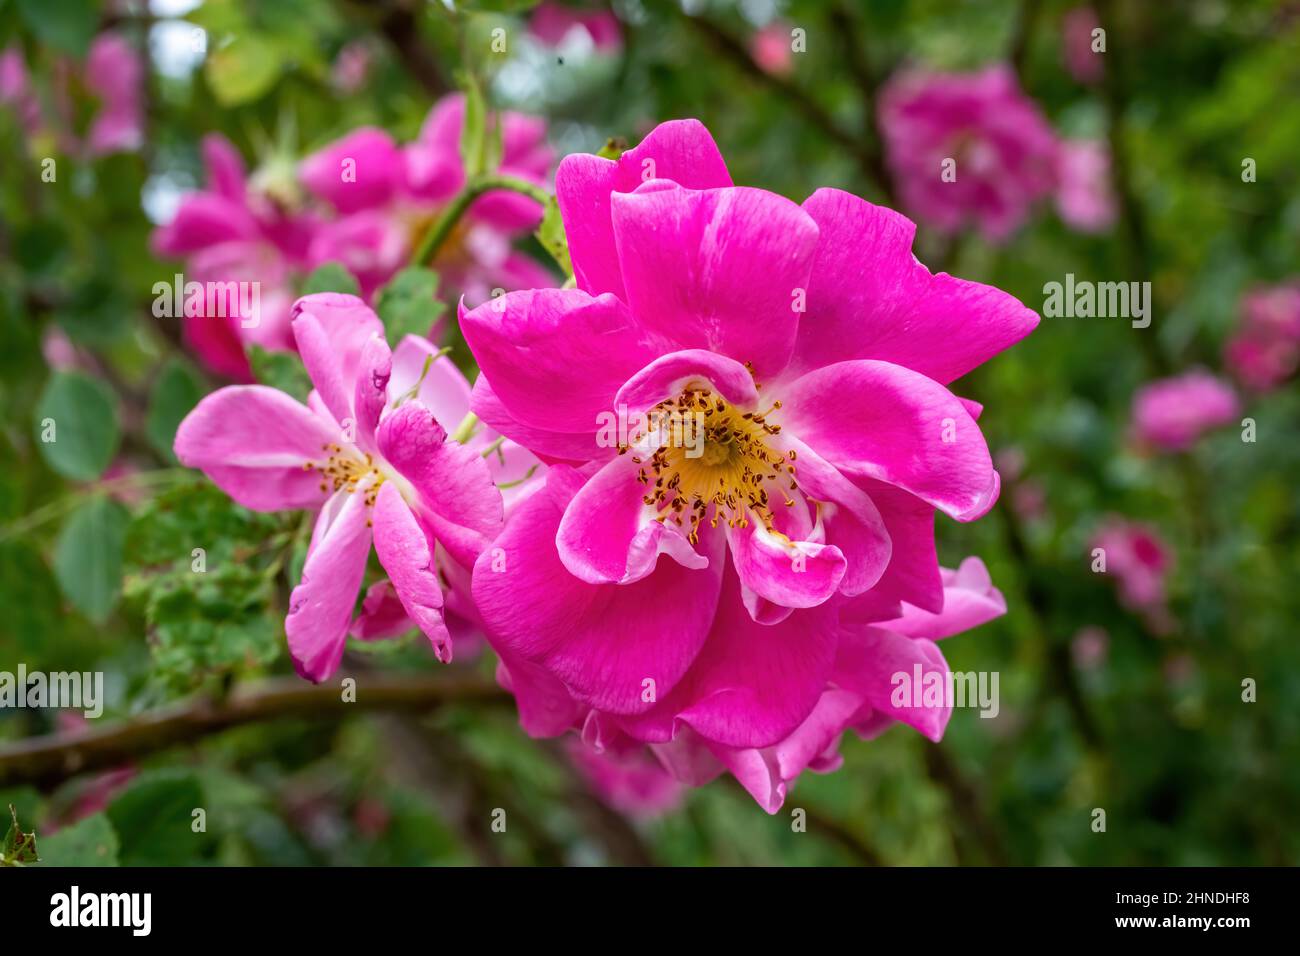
column 95, row 569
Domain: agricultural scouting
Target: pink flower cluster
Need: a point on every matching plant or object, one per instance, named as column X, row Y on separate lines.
column 1264, row 351
column 1172, row 413
column 729, row 592
column 1140, row 560
column 376, row 199
column 113, row 73
column 973, row 149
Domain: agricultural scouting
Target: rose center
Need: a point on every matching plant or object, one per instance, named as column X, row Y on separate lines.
column 713, row 462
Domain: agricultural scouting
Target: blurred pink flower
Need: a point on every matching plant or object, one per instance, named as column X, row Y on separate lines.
column 1172, row 413
column 1076, row 45
column 634, row 783
column 113, row 75
column 770, row 47
column 114, row 72
column 371, row 450
column 230, row 232
column 552, row 22
column 58, row 350
column 1264, row 350
column 1084, row 197
column 979, row 132
column 1089, row 647
column 352, row 66
column 16, row 90
column 388, row 195
column 1140, row 561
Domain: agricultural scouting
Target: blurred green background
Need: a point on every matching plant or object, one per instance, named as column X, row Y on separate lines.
column 94, row 551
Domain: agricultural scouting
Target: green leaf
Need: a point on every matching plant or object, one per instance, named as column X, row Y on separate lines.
column 153, row 819
column 552, row 236
column 78, row 413
column 331, row 277
column 408, row 304
column 88, row 556
column 18, row 847
column 66, row 25
column 211, row 618
column 243, row 70
column 96, row 314
column 282, row 370
column 176, row 391
column 88, row 842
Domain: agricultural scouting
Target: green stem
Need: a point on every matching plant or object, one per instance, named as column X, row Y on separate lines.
column 440, row 230
column 65, row 504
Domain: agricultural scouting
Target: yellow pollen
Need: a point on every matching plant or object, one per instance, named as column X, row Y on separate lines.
column 344, row 470
column 714, row 464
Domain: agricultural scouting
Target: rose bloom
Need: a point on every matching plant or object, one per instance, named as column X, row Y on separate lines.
column 1004, row 148
column 1002, row 154
column 234, row 230
column 737, row 601
column 1172, row 413
column 388, row 195
column 1264, row 351
column 1139, row 559
column 378, row 453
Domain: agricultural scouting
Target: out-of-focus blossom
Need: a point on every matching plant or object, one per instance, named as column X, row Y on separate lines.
column 59, row 352
column 967, row 148
column 770, row 47
column 634, row 783
column 552, row 23
column 371, row 452
column 1089, row 647
column 1076, row 45
column 1172, row 413
column 1084, row 197
column 662, row 594
column 1139, row 560
column 113, row 75
column 352, row 66
column 1264, row 350
column 231, row 231
column 16, row 90
column 388, row 195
